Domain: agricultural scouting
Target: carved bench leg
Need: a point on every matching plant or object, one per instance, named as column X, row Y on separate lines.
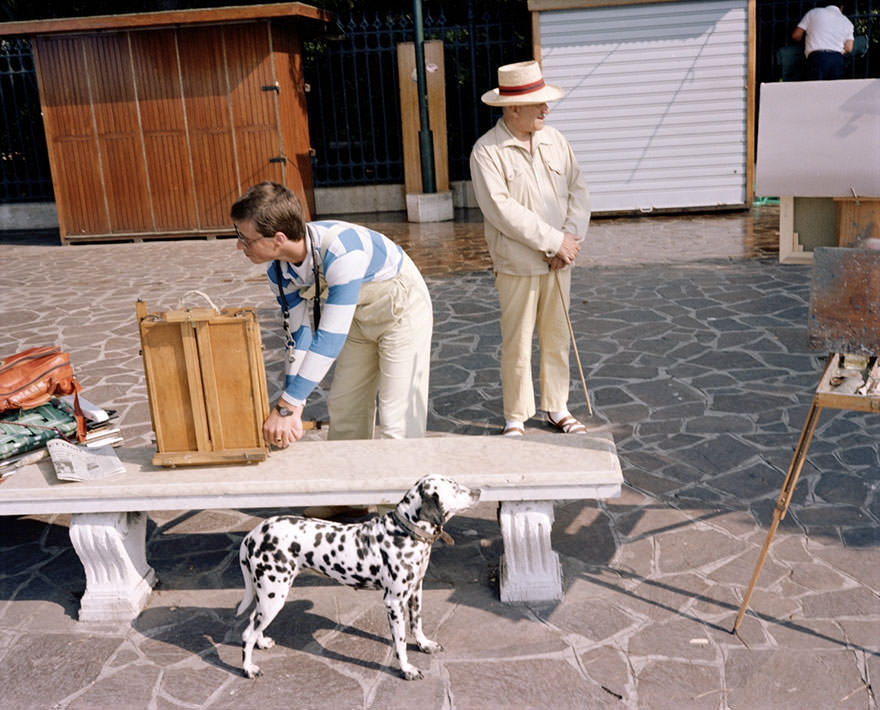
column 530, row 570
column 112, row 549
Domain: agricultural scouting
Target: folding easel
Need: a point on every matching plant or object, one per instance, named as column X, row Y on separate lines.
column 824, row 397
column 844, row 318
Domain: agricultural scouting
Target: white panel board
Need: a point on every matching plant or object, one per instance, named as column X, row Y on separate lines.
column 819, row 139
column 655, row 104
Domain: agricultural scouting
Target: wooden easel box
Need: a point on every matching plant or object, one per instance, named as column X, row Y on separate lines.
column 206, row 384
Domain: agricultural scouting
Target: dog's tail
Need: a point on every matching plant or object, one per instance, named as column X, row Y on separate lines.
column 248, row 591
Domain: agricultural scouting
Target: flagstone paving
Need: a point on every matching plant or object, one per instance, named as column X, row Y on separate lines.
column 693, row 342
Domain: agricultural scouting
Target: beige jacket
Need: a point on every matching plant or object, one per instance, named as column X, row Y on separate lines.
column 527, row 201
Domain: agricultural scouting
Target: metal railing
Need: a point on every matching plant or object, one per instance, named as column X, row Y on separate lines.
column 354, row 102
column 24, row 160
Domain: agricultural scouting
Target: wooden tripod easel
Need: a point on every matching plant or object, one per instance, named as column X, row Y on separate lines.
column 824, row 397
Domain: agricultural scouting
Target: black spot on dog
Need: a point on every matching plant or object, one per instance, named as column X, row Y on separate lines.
column 374, row 570
column 318, row 537
column 310, row 558
column 386, row 561
column 294, row 548
column 331, row 536
column 431, row 510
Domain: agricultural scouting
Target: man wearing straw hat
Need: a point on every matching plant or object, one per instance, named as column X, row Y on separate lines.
column 536, row 210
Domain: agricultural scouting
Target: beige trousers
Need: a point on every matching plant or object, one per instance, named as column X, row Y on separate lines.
column 527, row 302
column 385, row 362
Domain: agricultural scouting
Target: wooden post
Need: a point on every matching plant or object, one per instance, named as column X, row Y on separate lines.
column 409, row 113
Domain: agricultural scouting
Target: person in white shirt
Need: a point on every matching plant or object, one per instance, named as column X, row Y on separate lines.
column 829, row 36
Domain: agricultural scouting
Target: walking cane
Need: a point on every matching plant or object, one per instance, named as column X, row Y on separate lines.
column 577, row 357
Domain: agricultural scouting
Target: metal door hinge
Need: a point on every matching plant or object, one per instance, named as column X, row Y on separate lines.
column 278, row 159
column 272, row 87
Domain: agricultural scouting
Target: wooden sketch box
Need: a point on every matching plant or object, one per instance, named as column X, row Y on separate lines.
column 206, row 384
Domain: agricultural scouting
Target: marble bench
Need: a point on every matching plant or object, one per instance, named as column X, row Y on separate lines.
column 108, row 517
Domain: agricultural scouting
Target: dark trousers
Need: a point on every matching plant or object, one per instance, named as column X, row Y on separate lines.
column 823, row 64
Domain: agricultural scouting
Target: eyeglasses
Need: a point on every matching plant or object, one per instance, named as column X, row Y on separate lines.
column 243, row 239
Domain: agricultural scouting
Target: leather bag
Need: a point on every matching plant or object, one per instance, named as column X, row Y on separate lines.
column 32, row 377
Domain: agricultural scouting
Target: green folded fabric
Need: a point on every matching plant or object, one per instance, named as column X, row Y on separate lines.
column 27, row 429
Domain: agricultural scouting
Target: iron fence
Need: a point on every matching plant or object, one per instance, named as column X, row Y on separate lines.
column 354, row 102
column 24, row 160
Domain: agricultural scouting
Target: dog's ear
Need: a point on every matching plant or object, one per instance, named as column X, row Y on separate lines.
column 431, row 510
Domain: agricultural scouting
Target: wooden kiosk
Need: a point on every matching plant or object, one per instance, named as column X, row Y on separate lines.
column 156, row 122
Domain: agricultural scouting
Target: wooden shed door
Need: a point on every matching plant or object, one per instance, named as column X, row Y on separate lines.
column 159, row 131
column 233, row 121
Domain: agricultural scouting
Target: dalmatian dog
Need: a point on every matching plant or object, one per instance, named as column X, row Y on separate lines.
column 389, row 552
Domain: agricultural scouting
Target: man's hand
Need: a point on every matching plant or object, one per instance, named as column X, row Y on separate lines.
column 555, row 263
column 282, row 431
column 571, row 245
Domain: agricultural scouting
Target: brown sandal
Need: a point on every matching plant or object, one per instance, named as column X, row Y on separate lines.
column 567, row 425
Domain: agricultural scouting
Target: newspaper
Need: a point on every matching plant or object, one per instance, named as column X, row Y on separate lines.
column 78, row 463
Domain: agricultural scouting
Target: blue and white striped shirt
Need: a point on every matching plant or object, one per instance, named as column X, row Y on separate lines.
column 352, row 255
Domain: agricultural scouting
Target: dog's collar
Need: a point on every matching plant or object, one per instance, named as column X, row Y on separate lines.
column 420, row 534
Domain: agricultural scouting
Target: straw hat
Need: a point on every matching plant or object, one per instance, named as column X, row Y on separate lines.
column 521, row 84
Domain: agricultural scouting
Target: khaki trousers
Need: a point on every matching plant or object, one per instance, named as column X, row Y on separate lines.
column 385, row 362
column 527, row 302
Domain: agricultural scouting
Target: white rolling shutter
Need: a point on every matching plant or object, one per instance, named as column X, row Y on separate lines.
column 655, row 104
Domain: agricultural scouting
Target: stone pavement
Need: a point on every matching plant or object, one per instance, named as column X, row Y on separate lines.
column 693, row 342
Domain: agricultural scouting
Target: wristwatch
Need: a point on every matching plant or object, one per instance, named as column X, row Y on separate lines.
column 283, row 410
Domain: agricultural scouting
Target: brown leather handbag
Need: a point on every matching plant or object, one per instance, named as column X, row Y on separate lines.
column 32, row 377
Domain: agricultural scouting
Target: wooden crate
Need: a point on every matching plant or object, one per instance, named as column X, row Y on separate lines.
column 206, row 384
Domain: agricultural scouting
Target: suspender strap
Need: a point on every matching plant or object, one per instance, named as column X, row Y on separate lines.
column 289, row 342
column 316, row 302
